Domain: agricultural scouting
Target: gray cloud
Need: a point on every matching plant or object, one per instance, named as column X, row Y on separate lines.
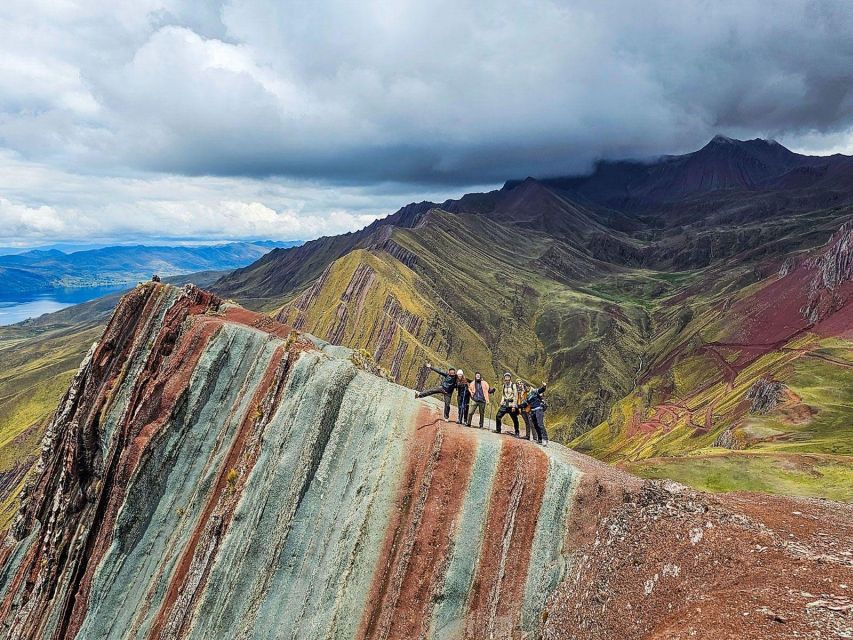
column 434, row 96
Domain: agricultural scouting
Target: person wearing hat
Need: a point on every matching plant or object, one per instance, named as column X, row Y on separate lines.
column 478, row 390
column 448, row 384
column 537, row 406
column 509, row 404
column 462, row 397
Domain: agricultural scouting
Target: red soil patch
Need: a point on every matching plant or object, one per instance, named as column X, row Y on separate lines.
column 840, row 323
column 239, row 315
column 689, row 565
column 772, row 315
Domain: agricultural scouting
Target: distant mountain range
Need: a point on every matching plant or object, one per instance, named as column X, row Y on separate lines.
column 654, row 296
column 41, row 270
column 692, row 314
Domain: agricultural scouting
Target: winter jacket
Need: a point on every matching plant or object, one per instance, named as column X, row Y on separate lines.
column 522, row 396
column 462, row 387
column 509, row 394
column 472, row 389
column 449, row 382
column 534, row 399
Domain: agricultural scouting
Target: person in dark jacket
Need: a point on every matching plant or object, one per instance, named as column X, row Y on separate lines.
column 537, row 412
column 525, row 412
column 462, row 397
column 479, row 392
column 509, row 404
column 448, row 384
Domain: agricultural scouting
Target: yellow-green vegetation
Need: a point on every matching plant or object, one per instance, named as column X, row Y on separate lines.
column 808, row 475
column 475, row 300
column 668, row 426
column 37, row 367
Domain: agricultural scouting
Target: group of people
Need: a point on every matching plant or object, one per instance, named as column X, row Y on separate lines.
column 472, row 396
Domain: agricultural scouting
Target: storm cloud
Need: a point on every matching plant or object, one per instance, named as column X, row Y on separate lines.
column 358, row 104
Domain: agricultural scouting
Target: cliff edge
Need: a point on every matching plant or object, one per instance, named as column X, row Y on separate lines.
column 211, row 473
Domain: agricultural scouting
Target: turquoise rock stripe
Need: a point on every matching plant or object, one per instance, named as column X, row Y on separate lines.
column 305, row 536
column 171, row 486
column 326, row 565
column 448, row 614
column 547, row 560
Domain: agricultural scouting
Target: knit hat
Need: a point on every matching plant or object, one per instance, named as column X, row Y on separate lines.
column 459, row 372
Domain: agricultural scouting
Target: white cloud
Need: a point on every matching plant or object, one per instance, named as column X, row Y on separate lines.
column 135, row 101
column 96, row 208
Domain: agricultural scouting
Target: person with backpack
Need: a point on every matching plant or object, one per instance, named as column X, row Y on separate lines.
column 509, row 404
column 462, row 397
column 537, row 406
column 448, row 384
column 478, row 390
column 525, row 412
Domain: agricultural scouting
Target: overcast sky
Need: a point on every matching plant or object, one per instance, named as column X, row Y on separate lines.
column 145, row 119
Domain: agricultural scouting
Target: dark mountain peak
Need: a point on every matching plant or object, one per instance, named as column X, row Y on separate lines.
column 721, row 139
column 755, row 146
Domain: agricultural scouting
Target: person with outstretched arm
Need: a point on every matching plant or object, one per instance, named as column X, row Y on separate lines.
column 509, row 404
column 537, row 412
column 448, row 384
column 478, row 390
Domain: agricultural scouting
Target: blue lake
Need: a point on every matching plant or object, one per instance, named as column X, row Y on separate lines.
column 31, row 305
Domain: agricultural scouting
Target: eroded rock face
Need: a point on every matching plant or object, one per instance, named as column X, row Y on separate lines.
column 765, row 395
column 833, row 269
column 210, row 474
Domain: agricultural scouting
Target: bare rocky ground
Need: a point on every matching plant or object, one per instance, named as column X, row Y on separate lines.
column 672, row 563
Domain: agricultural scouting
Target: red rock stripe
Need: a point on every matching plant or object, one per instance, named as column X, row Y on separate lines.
column 161, row 393
column 194, row 564
column 38, row 572
column 498, row 590
column 419, row 537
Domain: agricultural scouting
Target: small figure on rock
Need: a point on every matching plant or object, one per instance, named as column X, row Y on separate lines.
column 509, row 404
column 448, row 384
column 155, row 278
column 537, row 406
column 479, row 392
column 461, row 397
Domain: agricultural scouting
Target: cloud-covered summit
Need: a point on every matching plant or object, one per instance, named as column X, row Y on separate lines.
column 342, row 97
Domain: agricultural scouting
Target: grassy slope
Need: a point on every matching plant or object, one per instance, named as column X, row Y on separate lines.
column 37, row 368
column 486, row 306
column 668, row 425
column 39, row 357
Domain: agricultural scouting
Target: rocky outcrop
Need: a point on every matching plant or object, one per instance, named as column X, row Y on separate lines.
column 210, row 474
column 213, row 474
column 765, row 395
column 730, row 439
column 833, row 268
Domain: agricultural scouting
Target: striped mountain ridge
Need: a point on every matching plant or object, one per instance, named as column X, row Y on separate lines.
column 212, row 473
